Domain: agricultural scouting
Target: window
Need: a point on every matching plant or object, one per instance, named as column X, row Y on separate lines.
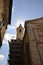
column 20, row 30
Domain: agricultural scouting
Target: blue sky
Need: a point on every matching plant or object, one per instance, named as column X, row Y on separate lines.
column 21, row 10
column 24, row 10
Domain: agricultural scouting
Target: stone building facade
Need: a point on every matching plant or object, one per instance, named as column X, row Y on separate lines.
column 33, row 42
column 5, row 16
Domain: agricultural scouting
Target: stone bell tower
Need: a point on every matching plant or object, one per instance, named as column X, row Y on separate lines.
column 20, row 32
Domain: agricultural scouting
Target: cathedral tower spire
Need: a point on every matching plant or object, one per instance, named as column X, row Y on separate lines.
column 20, row 31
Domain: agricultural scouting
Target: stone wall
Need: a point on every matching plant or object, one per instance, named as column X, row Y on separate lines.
column 34, row 44
column 5, row 15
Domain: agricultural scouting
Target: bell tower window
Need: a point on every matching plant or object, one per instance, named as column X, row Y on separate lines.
column 20, row 30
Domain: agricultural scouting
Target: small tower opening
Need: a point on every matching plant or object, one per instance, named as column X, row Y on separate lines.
column 20, row 30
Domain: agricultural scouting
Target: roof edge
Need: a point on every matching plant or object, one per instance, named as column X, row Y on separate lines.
column 34, row 19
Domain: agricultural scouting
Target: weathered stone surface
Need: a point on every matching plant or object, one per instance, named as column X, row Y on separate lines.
column 34, row 32
column 16, row 52
column 5, row 16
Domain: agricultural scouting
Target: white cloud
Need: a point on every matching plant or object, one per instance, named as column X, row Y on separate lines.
column 11, row 27
column 8, row 37
column 20, row 22
column 1, row 57
column 13, row 8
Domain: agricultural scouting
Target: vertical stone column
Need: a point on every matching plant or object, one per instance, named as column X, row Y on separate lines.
column 0, row 38
column 33, row 48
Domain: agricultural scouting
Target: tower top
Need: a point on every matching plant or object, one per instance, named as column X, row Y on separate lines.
column 20, row 26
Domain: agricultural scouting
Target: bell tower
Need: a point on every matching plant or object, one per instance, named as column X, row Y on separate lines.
column 20, row 32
